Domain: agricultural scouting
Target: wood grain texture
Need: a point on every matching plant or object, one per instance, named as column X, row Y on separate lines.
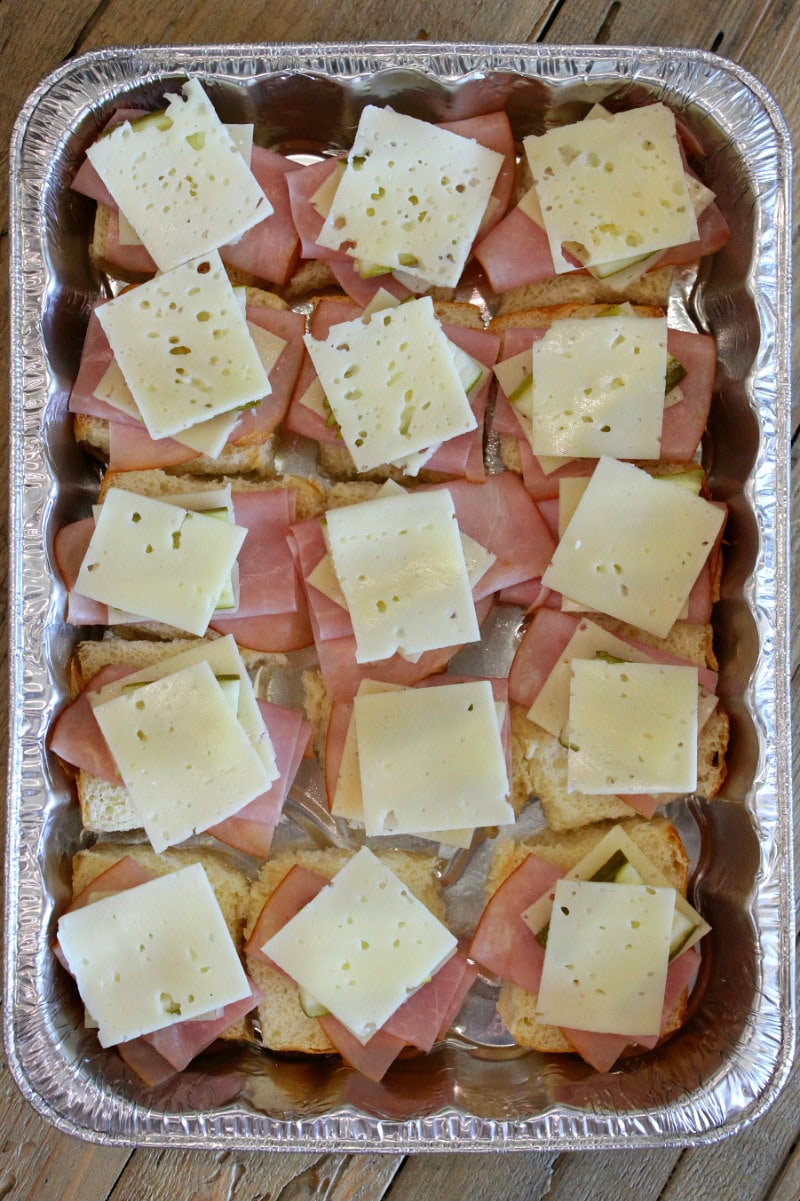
column 286, row 20
column 37, row 1163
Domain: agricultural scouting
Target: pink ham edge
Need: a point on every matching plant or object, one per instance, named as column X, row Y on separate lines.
column 250, row 829
column 255, row 425
column 601, row 1051
column 151, row 1068
column 75, row 735
column 342, row 674
column 503, row 944
column 299, row 886
column 69, row 547
column 181, row 1043
column 514, row 253
column 300, row 419
column 500, row 515
column 419, row 1020
column 372, row 1059
column 546, row 639
column 363, row 291
column 86, row 180
column 303, row 185
column 275, row 633
column 517, row 251
column 492, row 130
column 468, row 978
column 267, row 582
column 463, row 455
column 307, row 544
column 335, row 737
column 269, row 250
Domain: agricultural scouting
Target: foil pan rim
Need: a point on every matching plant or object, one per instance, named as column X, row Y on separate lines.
column 30, row 602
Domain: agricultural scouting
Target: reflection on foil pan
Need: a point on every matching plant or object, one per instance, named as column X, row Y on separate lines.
column 475, row 1092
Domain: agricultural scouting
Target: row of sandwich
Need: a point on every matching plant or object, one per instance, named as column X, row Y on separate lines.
column 478, row 408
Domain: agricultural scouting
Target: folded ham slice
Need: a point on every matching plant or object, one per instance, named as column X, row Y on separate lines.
column 546, row 639
column 251, row 828
column 503, row 944
column 342, row 674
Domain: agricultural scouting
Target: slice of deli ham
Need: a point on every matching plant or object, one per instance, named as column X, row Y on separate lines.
column 276, row 633
column 269, row 250
column 492, row 130
column 601, row 1051
column 181, row 1043
column 251, row 828
column 517, row 251
column 267, row 582
column 342, row 674
column 503, row 944
column 75, row 735
column 372, row 1059
column 500, row 515
column 299, row 886
column 303, row 186
column 420, row 1019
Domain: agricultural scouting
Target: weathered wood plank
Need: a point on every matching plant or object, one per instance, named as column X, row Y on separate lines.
column 38, row 1163
column 504, row 21
column 223, row 1176
column 636, row 1176
column 719, row 26
column 33, row 41
column 787, row 1186
column 481, row 1177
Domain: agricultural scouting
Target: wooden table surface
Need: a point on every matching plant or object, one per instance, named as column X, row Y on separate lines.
column 37, row 1163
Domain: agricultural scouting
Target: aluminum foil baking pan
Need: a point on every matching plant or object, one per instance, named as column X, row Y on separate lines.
column 474, row 1093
